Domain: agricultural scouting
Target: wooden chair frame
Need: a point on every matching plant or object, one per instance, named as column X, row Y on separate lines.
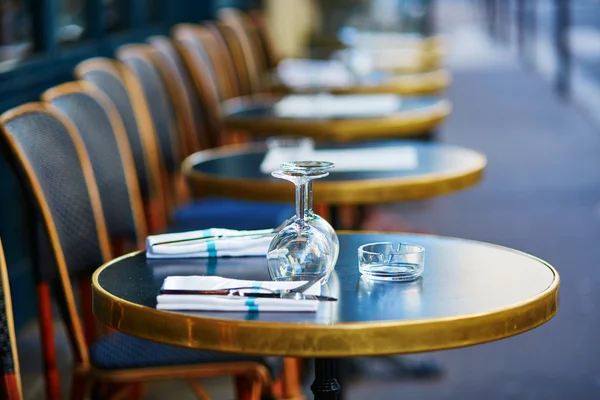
column 173, row 179
column 12, row 388
column 195, row 136
column 213, row 45
column 245, row 31
column 156, row 206
column 201, row 78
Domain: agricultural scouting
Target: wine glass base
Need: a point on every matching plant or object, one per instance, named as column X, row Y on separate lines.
column 303, row 277
column 391, row 273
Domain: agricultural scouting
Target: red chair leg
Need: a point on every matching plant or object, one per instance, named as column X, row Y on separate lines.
column 10, row 388
column 322, row 210
column 243, row 386
column 135, row 392
column 155, row 217
column 89, row 321
column 52, row 376
column 78, row 388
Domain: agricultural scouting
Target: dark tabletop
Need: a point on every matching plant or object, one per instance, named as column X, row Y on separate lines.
column 415, row 116
column 433, row 159
column 235, row 172
column 468, row 288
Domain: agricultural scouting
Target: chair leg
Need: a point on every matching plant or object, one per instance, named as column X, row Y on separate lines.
column 198, row 390
column 135, row 391
column 120, row 392
column 89, row 321
column 10, row 387
column 322, row 210
column 291, row 378
column 155, row 216
column 256, row 390
column 182, row 192
column 243, row 386
column 48, row 346
column 78, row 387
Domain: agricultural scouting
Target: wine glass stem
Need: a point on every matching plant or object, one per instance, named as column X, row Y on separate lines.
column 309, row 201
column 300, row 200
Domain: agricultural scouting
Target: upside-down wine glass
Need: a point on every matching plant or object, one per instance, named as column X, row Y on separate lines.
column 302, row 249
column 319, row 222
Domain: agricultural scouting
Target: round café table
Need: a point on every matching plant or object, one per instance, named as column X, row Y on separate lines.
column 257, row 116
column 420, row 83
column 470, row 293
column 386, row 55
column 234, row 171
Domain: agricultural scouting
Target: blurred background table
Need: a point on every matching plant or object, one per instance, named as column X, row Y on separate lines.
column 293, row 76
column 234, row 171
column 415, row 116
column 470, row 292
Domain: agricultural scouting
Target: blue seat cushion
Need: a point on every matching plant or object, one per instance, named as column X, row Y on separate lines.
column 120, row 351
column 213, row 212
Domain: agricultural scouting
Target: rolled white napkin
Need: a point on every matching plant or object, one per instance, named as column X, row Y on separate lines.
column 185, row 302
column 337, row 106
column 213, row 242
column 313, row 73
column 401, row 158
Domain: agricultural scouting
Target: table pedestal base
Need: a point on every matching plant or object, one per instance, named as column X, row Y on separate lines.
column 325, row 386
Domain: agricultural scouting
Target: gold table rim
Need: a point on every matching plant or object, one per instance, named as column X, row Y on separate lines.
column 419, row 83
column 396, row 125
column 345, row 339
column 365, row 191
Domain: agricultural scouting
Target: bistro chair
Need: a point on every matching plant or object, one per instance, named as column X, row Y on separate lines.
column 190, row 42
column 246, row 35
column 101, row 130
column 156, row 97
column 52, row 160
column 192, row 119
column 204, row 212
column 210, row 49
column 11, row 376
column 138, row 59
column 249, row 81
column 116, row 81
column 265, row 39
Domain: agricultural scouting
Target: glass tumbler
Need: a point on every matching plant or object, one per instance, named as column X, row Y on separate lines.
column 301, row 250
column 388, row 262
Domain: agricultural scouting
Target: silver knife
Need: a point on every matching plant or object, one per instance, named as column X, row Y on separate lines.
column 295, row 293
column 239, row 293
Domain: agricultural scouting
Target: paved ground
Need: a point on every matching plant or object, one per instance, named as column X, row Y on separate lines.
column 540, row 195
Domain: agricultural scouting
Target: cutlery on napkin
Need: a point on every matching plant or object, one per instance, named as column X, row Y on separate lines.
column 204, row 302
column 213, row 242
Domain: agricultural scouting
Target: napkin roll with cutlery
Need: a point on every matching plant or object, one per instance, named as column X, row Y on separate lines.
column 205, row 302
column 213, row 242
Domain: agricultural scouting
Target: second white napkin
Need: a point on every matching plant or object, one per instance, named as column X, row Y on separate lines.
column 213, row 242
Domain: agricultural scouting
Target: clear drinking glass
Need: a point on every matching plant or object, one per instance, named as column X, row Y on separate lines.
column 301, row 250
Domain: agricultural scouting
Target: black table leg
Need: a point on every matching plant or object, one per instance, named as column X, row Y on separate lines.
column 325, row 386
